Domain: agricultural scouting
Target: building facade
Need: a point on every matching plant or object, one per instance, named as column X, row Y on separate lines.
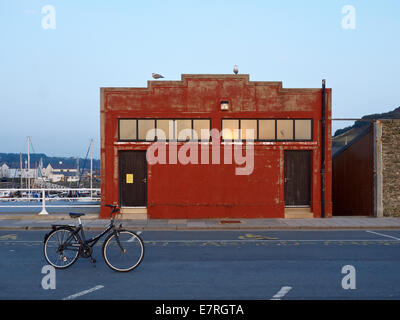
column 216, row 146
column 366, row 172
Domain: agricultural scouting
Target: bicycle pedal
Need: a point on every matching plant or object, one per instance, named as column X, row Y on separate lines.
column 93, row 260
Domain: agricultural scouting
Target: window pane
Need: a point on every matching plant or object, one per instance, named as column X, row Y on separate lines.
column 285, row 129
column 201, row 128
column 165, row 129
column 230, row 129
column 127, row 129
column 248, row 125
column 266, row 129
column 303, row 129
column 144, row 127
column 184, row 129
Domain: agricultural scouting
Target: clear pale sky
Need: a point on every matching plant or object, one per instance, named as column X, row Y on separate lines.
column 50, row 78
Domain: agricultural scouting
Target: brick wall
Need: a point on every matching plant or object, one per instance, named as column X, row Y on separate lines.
column 391, row 167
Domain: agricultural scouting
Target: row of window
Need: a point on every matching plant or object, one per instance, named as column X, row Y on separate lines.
column 199, row 129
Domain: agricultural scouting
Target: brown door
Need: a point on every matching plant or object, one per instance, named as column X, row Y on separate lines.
column 297, row 178
column 133, row 178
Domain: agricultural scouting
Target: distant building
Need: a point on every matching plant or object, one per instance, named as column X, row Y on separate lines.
column 60, row 173
column 4, row 171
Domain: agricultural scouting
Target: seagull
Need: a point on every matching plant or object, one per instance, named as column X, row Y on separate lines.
column 235, row 69
column 156, row 75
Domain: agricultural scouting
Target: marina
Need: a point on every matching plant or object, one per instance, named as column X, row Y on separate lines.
column 47, row 201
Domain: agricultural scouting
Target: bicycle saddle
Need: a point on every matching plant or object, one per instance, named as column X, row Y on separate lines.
column 75, row 215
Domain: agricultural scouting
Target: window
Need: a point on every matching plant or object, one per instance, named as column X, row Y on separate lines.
column 127, row 129
column 284, row 130
column 184, row 129
column 266, row 129
column 201, row 129
column 303, row 129
column 248, row 127
column 146, row 129
column 164, row 129
column 230, row 129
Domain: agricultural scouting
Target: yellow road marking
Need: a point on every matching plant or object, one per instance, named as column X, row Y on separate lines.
column 248, row 236
column 9, row 237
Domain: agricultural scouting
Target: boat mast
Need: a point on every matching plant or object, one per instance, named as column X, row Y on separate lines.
column 91, row 167
column 29, row 163
column 20, row 168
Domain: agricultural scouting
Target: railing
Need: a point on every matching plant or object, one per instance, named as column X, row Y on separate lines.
column 8, row 197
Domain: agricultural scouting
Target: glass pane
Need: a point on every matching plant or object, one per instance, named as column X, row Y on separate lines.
column 266, row 129
column 230, row 129
column 144, row 127
column 165, row 129
column 303, row 129
column 285, row 129
column 251, row 127
column 201, row 128
column 184, row 129
column 127, row 129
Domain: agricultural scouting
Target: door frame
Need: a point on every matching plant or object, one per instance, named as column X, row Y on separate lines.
column 310, row 164
column 120, row 182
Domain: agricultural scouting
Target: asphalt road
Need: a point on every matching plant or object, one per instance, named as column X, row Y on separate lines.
column 255, row 265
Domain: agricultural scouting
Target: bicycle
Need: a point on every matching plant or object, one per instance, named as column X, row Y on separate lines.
column 123, row 250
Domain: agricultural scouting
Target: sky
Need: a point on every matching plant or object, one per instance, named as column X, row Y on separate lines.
column 52, row 64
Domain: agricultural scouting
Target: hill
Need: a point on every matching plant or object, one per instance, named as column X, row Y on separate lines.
column 359, row 124
column 13, row 161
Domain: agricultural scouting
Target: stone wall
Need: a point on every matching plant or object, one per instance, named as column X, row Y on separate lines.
column 391, row 167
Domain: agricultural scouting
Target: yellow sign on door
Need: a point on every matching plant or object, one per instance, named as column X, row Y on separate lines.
column 129, row 178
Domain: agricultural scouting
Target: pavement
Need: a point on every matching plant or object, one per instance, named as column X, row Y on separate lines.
column 20, row 221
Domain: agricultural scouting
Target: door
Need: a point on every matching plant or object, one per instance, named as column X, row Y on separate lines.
column 133, row 178
column 297, row 178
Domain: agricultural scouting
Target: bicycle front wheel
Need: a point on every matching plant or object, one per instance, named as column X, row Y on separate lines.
column 123, row 251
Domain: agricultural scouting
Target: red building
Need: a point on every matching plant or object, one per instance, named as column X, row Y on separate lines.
column 274, row 169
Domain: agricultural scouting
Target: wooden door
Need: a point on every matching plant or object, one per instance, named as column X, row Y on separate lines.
column 297, row 178
column 133, row 178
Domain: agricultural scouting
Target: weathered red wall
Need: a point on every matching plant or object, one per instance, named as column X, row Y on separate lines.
column 214, row 191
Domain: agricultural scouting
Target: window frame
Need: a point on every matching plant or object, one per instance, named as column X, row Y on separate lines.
column 257, row 137
column 174, row 139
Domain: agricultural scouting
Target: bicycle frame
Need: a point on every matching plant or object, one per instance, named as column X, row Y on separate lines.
column 78, row 231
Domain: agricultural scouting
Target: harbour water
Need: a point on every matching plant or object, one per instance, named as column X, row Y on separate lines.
column 56, row 206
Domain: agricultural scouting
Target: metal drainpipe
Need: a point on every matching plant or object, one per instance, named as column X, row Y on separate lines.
column 323, row 152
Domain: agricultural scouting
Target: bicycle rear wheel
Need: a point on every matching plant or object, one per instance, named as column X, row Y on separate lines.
column 123, row 251
column 61, row 248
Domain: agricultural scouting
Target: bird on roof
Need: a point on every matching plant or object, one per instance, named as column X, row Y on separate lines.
column 156, row 75
column 235, row 69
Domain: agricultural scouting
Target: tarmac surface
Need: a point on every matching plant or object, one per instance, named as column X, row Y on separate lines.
column 19, row 221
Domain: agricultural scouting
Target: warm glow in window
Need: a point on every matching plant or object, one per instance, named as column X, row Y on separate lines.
column 248, row 127
column 230, row 129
